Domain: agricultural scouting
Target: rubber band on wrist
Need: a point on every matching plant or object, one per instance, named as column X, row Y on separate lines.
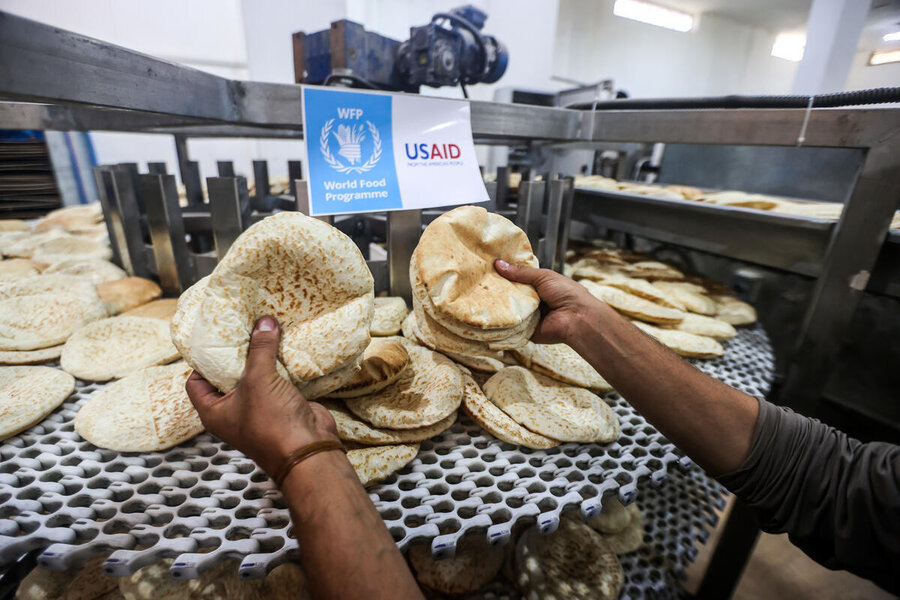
column 300, row 454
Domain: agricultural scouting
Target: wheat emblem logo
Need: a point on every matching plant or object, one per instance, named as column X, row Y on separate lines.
column 349, row 139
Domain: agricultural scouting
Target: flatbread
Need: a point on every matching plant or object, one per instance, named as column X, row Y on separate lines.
column 429, row 390
column 734, row 311
column 741, row 200
column 552, row 408
column 121, row 295
column 164, row 309
column 486, row 363
column 571, row 563
column 352, row 429
column 382, row 363
column 154, row 582
column 380, row 462
column 633, row 306
column 43, row 311
column 30, row 357
column 95, row 269
column 44, row 584
column 90, row 583
column 186, row 310
column 693, row 301
column 689, row 192
column 437, row 337
column 28, row 394
column 144, row 412
column 613, row 516
column 474, row 564
column 388, row 316
column 305, row 273
column 71, row 247
column 287, row 581
column 650, row 269
column 456, row 255
column 643, row 289
column 682, row 343
column 562, row 363
column 715, row 328
column 407, row 328
column 630, row 538
column 23, row 244
column 17, row 268
column 14, row 225
column 117, row 346
column 498, row 423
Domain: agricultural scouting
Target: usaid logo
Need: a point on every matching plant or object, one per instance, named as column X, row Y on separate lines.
column 432, row 151
column 349, row 144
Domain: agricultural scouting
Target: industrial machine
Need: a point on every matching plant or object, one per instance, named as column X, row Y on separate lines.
column 451, row 50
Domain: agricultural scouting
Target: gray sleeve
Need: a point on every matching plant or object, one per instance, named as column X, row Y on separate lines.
column 837, row 498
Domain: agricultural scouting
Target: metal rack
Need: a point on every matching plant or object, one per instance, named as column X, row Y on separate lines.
column 111, row 88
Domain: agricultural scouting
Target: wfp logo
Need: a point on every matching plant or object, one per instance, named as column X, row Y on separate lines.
column 352, row 139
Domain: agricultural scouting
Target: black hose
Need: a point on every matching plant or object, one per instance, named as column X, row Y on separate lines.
column 859, row 97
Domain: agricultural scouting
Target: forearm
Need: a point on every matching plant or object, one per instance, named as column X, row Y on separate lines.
column 710, row 421
column 345, row 548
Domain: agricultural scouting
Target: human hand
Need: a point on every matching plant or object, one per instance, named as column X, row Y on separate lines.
column 264, row 416
column 564, row 302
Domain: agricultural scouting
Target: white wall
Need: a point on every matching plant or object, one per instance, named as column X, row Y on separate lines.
column 862, row 76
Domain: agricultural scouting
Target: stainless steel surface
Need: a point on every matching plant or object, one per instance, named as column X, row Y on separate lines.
column 554, row 222
column 529, row 206
column 189, row 170
column 126, row 202
column 112, row 218
column 261, row 179
column 562, row 244
column 225, row 168
column 300, row 191
column 229, row 205
column 403, row 230
column 173, row 261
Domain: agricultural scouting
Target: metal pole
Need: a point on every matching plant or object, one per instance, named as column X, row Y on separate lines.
column 261, row 179
column 189, row 170
column 295, row 172
column 528, row 211
column 404, row 227
column 225, row 168
column 549, row 244
column 157, row 168
column 229, row 204
column 106, row 195
column 173, row 260
column 301, row 194
column 125, row 196
column 502, row 197
column 568, row 200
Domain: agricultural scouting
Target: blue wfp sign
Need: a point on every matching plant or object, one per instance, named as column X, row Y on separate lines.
column 349, row 140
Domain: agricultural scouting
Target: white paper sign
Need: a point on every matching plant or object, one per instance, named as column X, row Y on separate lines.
column 370, row 152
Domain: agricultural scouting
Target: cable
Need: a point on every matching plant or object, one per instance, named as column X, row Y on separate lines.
column 463, row 88
column 471, row 29
column 882, row 95
column 337, row 77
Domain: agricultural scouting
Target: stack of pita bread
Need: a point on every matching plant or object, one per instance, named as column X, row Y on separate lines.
column 690, row 315
column 474, row 564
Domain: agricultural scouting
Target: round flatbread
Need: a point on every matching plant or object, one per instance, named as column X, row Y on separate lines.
column 352, row 429
column 28, row 394
column 380, row 462
column 17, row 268
column 633, row 306
column 186, row 310
column 650, row 269
column 43, row 311
column 14, row 225
column 562, row 363
column 388, row 316
column 305, row 273
column 474, row 564
column 715, row 328
column 682, row 343
column 498, row 423
column 121, row 295
column 734, row 311
column 692, row 300
column 23, row 244
column 552, row 408
column 456, row 255
column 70, row 247
column 628, row 539
column 570, row 563
column 614, row 516
column 30, row 357
column 382, row 363
column 95, row 269
column 486, row 363
column 163, row 308
column 144, row 412
column 437, row 337
column 44, row 584
column 428, row 390
column 643, row 289
column 90, row 583
column 154, row 582
column 115, row 347
column 287, row 581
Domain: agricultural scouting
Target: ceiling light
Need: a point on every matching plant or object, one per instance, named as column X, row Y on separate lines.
column 654, row 14
column 789, row 46
column 892, row 37
column 883, row 57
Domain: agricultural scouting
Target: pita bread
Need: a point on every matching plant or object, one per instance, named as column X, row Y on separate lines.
column 383, row 362
column 484, row 362
column 596, row 182
column 407, row 328
column 43, row 311
column 23, row 244
column 455, row 263
column 28, row 394
column 124, row 294
column 157, row 309
column 287, row 581
column 570, row 563
column 17, row 268
column 114, row 347
column 741, row 200
column 90, row 583
column 552, row 408
column 351, row 429
column 186, row 310
column 302, row 271
column 650, row 269
column 429, row 390
column 708, row 326
column 143, row 412
column 693, row 301
column 734, row 311
column 28, row 357
column 14, row 225
column 628, row 539
column 649, row 190
column 562, row 363
column 633, row 306
column 388, row 316
column 643, row 289
column 498, row 423
column 95, row 269
column 682, row 343
column 474, row 564
column 437, row 337
column 44, row 584
column 70, row 247
column 380, row 462
column 613, row 516
column 688, row 192
column 71, row 216
column 154, row 582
